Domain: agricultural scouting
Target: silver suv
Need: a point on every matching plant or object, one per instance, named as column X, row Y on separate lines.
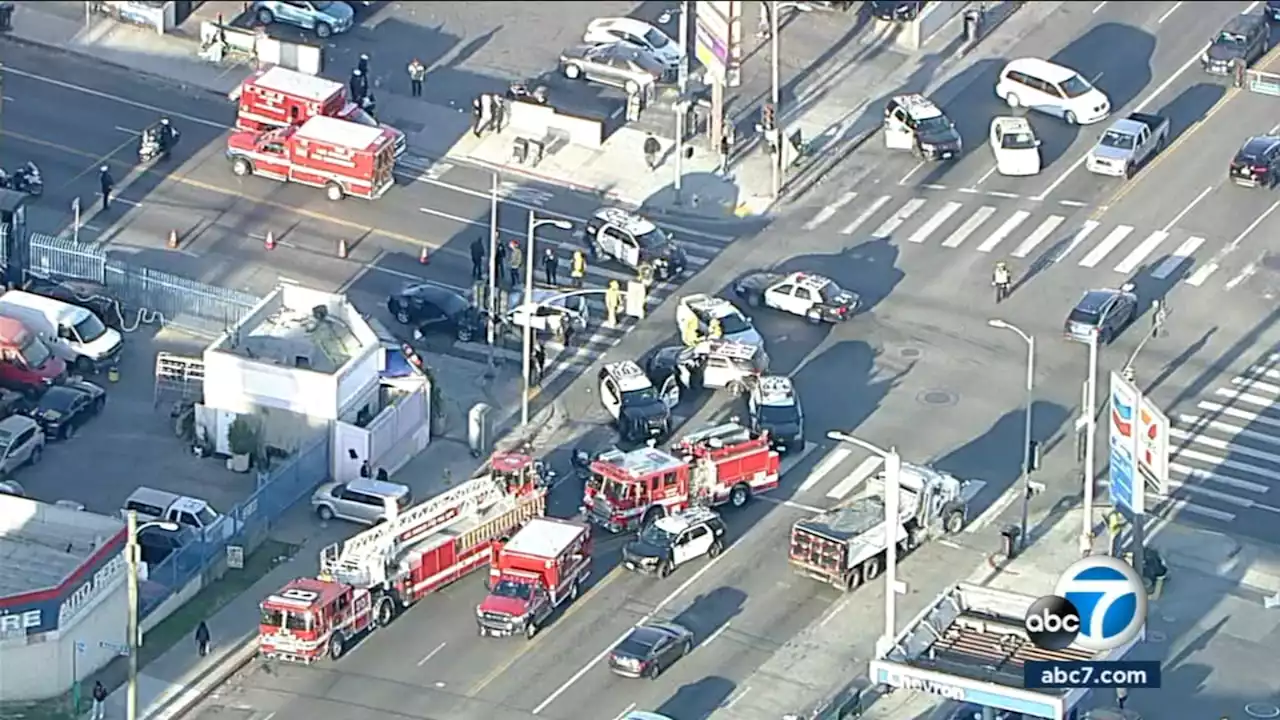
column 324, row 17
column 362, row 500
column 21, row 442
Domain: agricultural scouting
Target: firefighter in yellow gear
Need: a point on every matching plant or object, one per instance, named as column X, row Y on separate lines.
column 714, row 331
column 613, row 302
column 578, row 268
column 689, row 330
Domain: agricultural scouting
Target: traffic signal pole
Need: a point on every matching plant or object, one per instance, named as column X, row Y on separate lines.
column 776, row 98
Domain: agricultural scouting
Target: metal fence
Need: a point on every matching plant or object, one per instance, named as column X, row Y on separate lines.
column 181, row 302
column 247, row 524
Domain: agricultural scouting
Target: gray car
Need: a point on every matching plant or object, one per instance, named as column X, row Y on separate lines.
column 324, row 17
column 616, row 65
column 21, row 442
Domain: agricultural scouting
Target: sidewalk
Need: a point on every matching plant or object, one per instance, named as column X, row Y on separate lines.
column 834, row 115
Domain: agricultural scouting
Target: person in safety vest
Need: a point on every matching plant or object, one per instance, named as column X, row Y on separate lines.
column 613, row 301
column 1001, row 279
column 689, row 331
column 714, row 331
column 578, row 268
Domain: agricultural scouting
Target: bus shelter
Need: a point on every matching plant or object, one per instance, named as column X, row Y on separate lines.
column 970, row 646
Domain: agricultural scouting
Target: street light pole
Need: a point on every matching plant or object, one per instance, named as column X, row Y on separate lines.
column 491, row 296
column 527, row 350
column 1026, row 424
column 776, row 97
column 682, row 105
column 1091, row 430
column 892, row 489
column 134, row 641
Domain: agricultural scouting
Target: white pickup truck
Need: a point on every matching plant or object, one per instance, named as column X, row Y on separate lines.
column 1128, row 144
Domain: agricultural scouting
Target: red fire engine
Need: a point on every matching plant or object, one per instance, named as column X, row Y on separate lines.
column 387, row 568
column 279, row 97
column 725, row 463
column 308, row 619
column 342, row 157
column 541, row 568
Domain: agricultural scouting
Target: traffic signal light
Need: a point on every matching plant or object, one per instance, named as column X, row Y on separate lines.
column 767, row 118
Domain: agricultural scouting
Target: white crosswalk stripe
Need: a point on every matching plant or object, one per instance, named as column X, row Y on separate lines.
column 951, row 223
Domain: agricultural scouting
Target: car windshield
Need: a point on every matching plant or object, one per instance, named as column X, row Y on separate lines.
column 1228, row 38
column 1018, row 141
column 90, row 328
column 655, row 239
column 656, row 536
column 59, row 399
column 1086, row 317
column 512, row 589
column 778, row 414
column 830, row 292
column 1117, row 139
column 358, row 115
column 1075, row 86
column 934, row 125
column 656, row 40
column 447, row 301
column 271, row 617
column 34, row 352
column 206, row 517
column 643, row 396
column 733, row 323
column 639, row 643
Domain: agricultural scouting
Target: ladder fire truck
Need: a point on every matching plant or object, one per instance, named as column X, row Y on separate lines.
column 366, row 581
column 722, row 464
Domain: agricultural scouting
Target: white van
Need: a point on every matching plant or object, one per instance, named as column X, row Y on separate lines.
column 1052, row 89
column 73, row 333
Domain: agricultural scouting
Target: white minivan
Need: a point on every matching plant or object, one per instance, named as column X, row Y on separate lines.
column 1052, row 89
column 73, row 333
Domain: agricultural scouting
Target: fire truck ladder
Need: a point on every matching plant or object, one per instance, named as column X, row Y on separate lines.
column 364, row 559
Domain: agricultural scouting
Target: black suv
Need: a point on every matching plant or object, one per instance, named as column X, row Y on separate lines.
column 1257, row 164
column 1245, row 37
column 432, row 308
column 774, row 407
column 673, row 540
column 638, row 410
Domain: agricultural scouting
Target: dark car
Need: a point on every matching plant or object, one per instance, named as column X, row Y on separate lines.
column 1101, row 314
column 617, row 65
column 88, row 294
column 156, row 544
column 671, row 361
column 435, row 308
column 1257, row 164
column 62, row 409
column 1244, row 38
column 896, row 10
column 1273, row 10
column 649, row 649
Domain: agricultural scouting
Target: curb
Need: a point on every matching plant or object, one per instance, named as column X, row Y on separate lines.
column 819, row 174
column 184, row 699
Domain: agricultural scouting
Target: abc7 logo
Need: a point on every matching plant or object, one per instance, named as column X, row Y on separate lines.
column 1099, row 604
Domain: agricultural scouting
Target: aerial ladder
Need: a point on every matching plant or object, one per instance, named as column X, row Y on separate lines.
column 368, row 559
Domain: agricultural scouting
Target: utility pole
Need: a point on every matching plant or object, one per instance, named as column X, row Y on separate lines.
column 491, row 299
column 682, row 104
column 1091, row 430
column 776, row 99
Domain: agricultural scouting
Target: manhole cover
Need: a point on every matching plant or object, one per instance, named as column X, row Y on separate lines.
column 1262, row 710
column 937, row 397
column 910, row 353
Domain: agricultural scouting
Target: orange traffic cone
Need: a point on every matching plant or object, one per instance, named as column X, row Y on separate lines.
column 423, row 257
column 342, row 249
column 173, row 240
column 270, row 244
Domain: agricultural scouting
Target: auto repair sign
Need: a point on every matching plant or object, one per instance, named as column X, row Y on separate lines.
column 41, row 611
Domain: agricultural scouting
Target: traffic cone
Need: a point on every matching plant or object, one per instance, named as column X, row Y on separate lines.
column 270, row 243
column 423, row 258
column 173, row 240
column 342, row 249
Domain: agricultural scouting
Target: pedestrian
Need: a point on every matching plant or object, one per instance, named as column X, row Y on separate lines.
column 99, row 702
column 613, row 302
column 515, row 262
column 539, row 362
column 1122, row 694
column 651, row 149
column 202, row 639
column 726, row 148
column 477, row 258
column 107, row 184
column 475, row 116
column 578, row 268
column 359, row 86
column 417, row 73
column 363, row 64
column 551, row 266
column 764, row 24
column 486, row 114
column 566, row 333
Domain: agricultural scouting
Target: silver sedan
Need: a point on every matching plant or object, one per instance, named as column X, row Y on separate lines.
column 616, row 65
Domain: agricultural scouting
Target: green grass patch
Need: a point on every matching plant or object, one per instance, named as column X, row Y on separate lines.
column 181, row 625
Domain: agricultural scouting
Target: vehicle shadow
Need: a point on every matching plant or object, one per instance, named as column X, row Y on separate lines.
column 698, row 699
column 709, row 613
column 1190, row 106
column 868, row 268
column 845, row 405
column 971, row 112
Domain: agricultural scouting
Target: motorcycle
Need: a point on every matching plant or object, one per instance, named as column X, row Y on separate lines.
column 25, row 179
column 152, row 147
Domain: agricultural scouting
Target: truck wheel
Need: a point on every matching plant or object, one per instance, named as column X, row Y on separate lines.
column 852, row 579
column 574, row 590
column 242, row 167
column 36, row 454
column 265, row 17
column 664, row 569
column 325, row 513
column 337, row 646
column 814, row 317
column 1012, row 100
column 653, row 513
column 84, row 366
column 385, row 612
column 715, row 549
column 334, row 191
column 871, row 569
column 323, row 30
column 739, row 495
column 530, row 629
column 1069, row 117
column 955, row 522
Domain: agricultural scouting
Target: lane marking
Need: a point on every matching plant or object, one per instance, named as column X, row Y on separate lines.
column 904, row 213
column 426, row 658
column 1232, row 431
column 829, row 211
column 1140, row 253
column 737, row 698
column 1180, row 506
column 986, row 175
column 1167, row 14
column 1247, row 272
column 1104, row 248
column 992, row 513
column 912, row 171
column 1250, row 417
column 1206, row 476
column 1200, row 276
column 715, row 634
column 115, row 98
column 975, row 221
column 625, row 711
column 1183, row 212
column 1184, row 253
column 1098, row 7
column 1003, row 231
column 1084, row 231
column 866, row 214
column 824, row 467
column 924, row 231
column 866, row 469
column 1038, row 235
column 835, row 611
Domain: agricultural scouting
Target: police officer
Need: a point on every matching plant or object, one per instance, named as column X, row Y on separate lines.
column 539, row 363
column 613, row 302
column 551, row 266
column 578, row 268
column 359, row 86
column 714, row 331
column 107, row 185
column 1122, row 694
column 477, row 258
column 1001, row 279
column 651, row 149
column 417, row 73
column 515, row 262
column 363, row 64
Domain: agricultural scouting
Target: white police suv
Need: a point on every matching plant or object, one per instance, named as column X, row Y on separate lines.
column 673, row 540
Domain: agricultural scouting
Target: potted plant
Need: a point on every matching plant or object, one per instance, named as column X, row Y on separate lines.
column 242, row 440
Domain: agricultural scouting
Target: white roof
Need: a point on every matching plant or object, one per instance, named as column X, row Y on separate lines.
column 1042, row 69
column 49, row 307
column 776, row 390
column 677, row 522
column 42, row 545
column 625, row 219
column 637, row 27
column 1010, row 124
column 646, row 461
column 809, row 280
column 715, row 307
column 339, row 132
column 918, row 106
column 629, row 376
column 732, row 350
column 545, row 537
column 292, row 82
column 190, row 505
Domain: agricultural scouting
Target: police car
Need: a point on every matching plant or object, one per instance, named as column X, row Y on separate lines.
column 673, row 540
column 711, row 364
column 639, row 410
column 700, row 309
column 912, row 122
column 634, row 241
column 774, row 407
column 814, row 297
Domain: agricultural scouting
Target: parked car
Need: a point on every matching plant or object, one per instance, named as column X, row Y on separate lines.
column 21, row 442
column 62, row 409
column 1244, row 38
column 363, row 500
column 156, row 543
column 618, row 65
column 434, row 308
column 551, row 311
column 88, row 294
column 896, row 10
column 636, row 33
column 323, row 17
